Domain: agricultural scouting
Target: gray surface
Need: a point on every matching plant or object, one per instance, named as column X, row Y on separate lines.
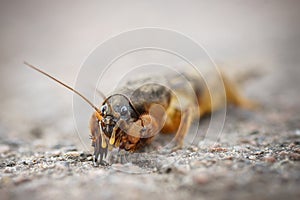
column 258, row 153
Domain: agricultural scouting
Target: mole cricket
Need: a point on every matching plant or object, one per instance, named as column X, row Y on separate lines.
column 131, row 122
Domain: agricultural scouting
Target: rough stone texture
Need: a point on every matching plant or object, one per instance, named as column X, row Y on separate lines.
column 256, row 156
column 259, row 165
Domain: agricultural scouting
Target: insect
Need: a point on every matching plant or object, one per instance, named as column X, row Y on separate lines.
column 130, row 118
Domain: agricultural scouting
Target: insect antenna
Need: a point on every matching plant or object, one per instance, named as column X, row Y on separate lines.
column 65, row 85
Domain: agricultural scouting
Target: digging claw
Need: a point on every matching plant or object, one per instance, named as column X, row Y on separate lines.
column 99, row 153
column 95, row 161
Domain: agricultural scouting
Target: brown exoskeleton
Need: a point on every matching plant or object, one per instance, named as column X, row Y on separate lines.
column 129, row 119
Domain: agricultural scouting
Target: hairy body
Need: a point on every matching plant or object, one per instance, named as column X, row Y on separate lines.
column 150, row 108
column 131, row 117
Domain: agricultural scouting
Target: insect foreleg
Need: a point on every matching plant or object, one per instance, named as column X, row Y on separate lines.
column 186, row 121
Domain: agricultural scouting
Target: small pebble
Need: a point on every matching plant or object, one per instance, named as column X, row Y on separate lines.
column 252, row 157
column 228, row 157
column 270, row 159
column 297, row 150
column 173, row 154
column 218, row 149
column 73, row 154
column 89, row 158
column 294, row 156
column 259, row 152
column 283, row 153
column 201, row 178
column 211, row 155
column 55, row 153
column 244, row 141
column 193, row 148
column 292, row 145
column 11, row 163
column 9, row 169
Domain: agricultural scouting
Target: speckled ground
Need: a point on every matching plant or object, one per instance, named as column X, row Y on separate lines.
column 256, row 157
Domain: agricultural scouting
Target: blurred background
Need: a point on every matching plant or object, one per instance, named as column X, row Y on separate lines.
column 59, row 35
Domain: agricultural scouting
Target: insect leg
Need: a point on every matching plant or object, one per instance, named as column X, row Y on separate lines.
column 235, row 97
column 142, row 131
column 187, row 117
column 97, row 136
column 186, row 121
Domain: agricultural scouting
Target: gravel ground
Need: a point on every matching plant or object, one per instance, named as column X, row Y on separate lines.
column 256, row 157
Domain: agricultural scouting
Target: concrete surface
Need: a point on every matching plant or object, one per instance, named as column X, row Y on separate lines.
column 41, row 157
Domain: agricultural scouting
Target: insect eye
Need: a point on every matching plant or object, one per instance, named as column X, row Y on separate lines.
column 103, row 109
column 124, row 110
